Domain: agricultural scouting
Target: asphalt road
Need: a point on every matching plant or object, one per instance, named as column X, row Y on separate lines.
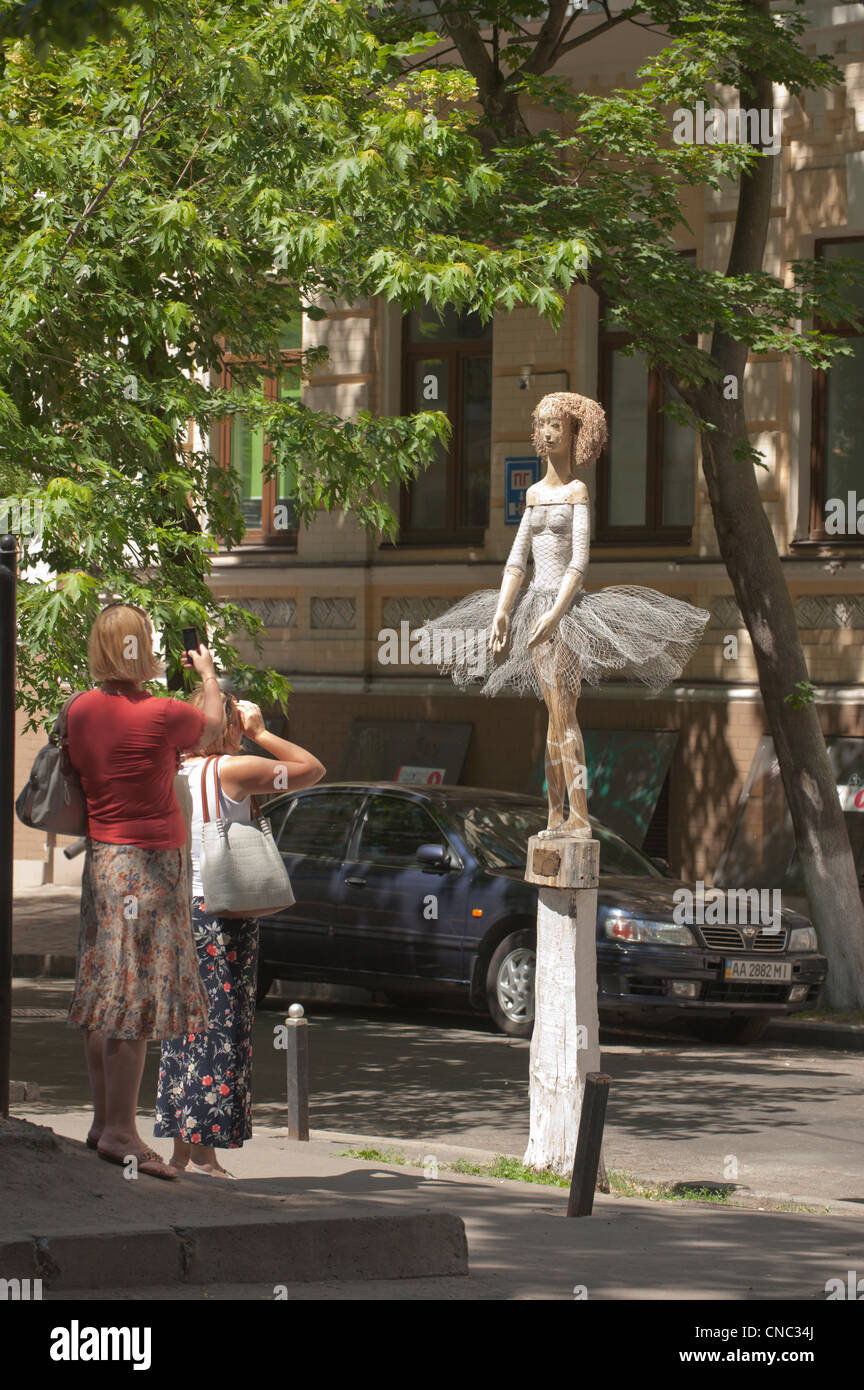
column 779, row 1120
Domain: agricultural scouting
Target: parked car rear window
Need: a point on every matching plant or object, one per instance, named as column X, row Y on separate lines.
column 319, row 825
column 498, row 835
column 394, row 830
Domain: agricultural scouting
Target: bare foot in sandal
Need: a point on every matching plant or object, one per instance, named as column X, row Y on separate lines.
column 147, row 1161
column 203, row 1160
column 120, row 1145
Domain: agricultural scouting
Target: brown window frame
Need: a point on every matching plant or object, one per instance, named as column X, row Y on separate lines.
column 818, row 421
column 653, row 532
column 452, row 351
column 260, row 536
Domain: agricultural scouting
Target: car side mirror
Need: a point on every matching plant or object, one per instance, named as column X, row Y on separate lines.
column 433, row 857
column 661, row 864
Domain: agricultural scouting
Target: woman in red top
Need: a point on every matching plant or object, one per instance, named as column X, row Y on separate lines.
column 137, row 973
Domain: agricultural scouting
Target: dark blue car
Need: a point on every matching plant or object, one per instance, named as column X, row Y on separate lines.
column 420, row 892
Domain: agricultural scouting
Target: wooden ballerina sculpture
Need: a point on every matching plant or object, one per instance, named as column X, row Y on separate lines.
column 549, row 638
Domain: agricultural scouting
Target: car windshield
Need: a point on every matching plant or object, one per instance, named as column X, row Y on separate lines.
column 497, row 833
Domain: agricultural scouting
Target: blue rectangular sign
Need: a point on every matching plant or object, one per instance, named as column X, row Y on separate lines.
column 520, row 474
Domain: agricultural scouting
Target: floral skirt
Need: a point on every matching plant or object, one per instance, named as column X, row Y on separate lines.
column 136, row 974
column 204, row 1095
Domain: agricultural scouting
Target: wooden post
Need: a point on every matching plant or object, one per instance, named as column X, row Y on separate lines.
column 565, row 1045
column 297, row 1069
column 587, row 1160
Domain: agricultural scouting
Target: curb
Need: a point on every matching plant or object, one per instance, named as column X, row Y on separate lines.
column 842, row 1037
column 379, row 1244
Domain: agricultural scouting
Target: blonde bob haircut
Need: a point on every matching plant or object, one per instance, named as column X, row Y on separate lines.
column 219, row 744
column 120, row 647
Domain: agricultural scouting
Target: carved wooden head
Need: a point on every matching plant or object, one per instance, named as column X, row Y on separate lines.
column 587, row 421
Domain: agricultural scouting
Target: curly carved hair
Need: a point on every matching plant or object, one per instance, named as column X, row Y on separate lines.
column 587, row 418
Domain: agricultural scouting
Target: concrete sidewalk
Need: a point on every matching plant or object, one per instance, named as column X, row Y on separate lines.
column 520, row 1244
column 75, row 1222
column 45, row 941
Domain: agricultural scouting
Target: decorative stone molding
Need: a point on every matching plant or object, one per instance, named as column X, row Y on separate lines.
column 725, row 613
column 273, row 612
column 415, row 611
column 830, row 611
column 334, row 613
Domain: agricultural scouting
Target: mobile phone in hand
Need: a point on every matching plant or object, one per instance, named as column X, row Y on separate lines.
column 191, row 641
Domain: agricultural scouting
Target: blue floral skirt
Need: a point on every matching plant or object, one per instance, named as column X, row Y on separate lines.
column 204, row 1095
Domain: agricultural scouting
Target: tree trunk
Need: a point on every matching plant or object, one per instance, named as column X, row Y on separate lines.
column 750, row 555
column 749, row 552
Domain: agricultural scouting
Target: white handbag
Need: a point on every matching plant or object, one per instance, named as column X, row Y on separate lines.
column 242, row 873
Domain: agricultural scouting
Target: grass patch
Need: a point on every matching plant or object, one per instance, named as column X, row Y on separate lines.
column 507, row 1169
column 376, row 1155
column 621, row 1183
column 627, row 1185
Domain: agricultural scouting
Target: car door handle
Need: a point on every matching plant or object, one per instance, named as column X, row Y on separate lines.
column 356, row 882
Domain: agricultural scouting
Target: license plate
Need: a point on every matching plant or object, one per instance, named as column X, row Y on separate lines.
column 773, row 971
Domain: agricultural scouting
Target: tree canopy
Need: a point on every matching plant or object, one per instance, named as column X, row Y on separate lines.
column 193, row 185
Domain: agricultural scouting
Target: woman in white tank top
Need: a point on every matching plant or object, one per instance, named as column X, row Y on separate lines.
column 204, row 1094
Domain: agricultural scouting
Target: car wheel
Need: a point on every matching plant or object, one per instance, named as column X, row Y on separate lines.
column 510, row 984
column 731, row 1030
column 266, row 976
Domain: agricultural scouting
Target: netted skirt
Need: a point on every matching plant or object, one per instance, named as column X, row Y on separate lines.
column 626, row 630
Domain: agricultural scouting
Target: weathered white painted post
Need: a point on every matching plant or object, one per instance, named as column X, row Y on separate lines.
column 565, row 1045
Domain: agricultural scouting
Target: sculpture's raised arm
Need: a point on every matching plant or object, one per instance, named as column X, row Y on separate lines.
column 514, row 573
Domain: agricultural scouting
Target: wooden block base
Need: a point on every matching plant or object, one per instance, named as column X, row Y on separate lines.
column 562, row 861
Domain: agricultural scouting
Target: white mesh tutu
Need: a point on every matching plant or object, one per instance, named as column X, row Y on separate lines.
column 626, row 631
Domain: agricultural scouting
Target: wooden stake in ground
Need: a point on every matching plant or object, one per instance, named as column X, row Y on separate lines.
column 565, row 1045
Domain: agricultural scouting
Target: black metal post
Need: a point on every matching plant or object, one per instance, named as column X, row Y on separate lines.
column 588, row 1142
column 297, row 1068
column 8, row 584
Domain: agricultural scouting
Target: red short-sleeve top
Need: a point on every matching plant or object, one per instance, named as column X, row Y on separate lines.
column 124, row 746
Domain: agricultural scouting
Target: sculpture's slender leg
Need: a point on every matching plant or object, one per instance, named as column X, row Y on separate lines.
column 575, row 772
column 565, row 748
column 554, row 759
